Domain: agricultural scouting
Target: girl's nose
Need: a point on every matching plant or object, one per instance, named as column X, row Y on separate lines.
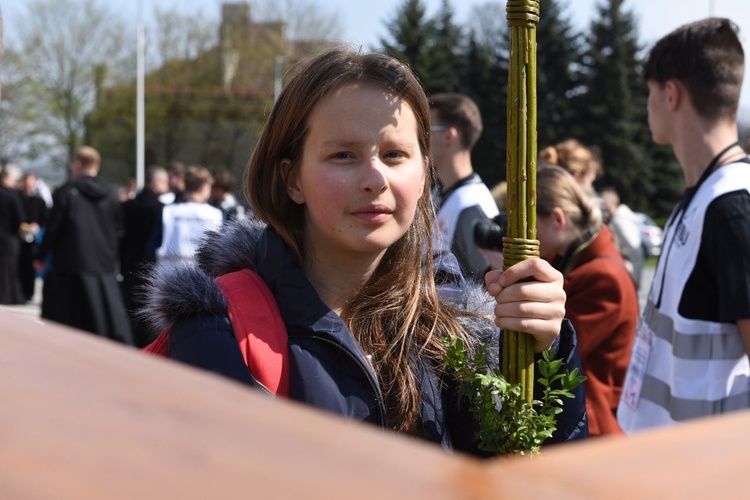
column 373, row 177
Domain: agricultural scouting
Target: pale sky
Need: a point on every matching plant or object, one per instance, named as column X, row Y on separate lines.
column 363, row 21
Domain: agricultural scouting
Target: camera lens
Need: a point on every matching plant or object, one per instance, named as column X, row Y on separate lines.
column 489, row 233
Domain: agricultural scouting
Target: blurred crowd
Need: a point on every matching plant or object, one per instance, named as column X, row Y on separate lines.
column 91, row 244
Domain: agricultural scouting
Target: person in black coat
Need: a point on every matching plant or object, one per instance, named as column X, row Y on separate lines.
column 36, row 217
column 11, row 216
column 140, row 215
column 83, row 235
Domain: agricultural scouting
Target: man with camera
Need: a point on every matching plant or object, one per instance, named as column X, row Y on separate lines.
column 464, row 199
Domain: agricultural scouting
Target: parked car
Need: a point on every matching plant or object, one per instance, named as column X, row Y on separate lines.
column 651, row 234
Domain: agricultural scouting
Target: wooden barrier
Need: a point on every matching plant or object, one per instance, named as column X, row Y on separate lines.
column 83, row 418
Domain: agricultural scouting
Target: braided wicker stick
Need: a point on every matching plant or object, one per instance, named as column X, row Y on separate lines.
column 522, row 16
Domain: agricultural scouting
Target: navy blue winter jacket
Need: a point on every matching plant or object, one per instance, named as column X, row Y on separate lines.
column 328, row 368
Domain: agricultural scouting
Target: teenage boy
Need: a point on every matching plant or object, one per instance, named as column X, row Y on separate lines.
column 690, row 358
column 464, row 199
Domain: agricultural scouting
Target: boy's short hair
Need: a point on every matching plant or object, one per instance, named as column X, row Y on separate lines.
column 223, row 179
column 707, row 58
column 458, row 110
column 176, row 168
column 152, row 172
column 196, row 176
column 89, row 157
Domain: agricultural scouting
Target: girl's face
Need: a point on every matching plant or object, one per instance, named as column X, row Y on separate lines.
column 361, row 173
column 551, row 233
column 545, row 233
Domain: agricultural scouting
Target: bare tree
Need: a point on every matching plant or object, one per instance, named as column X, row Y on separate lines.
column 181, row 36
column 64, row 51
column 305, row 19
column 16, row 124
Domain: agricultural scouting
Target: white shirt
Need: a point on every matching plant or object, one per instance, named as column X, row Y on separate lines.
column 183, row 227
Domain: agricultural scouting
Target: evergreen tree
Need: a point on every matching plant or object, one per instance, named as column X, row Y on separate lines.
column 486, row 81
column 432, row 47
column 446, row 54
column 667, row 180
column 612, row 111
column 410, row 34
column 558, row 52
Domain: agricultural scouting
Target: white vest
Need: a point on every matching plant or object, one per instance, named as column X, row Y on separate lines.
column 460, row 199
column 683, row 368
column 184, row 225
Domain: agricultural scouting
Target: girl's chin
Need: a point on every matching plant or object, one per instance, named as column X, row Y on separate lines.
column 377, row 245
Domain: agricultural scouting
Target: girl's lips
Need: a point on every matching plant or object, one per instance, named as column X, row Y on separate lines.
column 372, row 214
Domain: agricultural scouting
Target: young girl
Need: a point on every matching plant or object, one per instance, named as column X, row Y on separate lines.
column 340, row 178
column 602, row 302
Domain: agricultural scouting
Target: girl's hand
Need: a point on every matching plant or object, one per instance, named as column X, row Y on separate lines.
column 536, row 307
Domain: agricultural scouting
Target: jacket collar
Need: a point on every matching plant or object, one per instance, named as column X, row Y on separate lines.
column 299, row 302
column 591, row 245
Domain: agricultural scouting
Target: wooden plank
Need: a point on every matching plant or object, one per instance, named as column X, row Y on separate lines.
column 84, row 418
column 705, row 458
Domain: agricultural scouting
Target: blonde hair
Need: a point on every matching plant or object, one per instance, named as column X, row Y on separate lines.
column 556, row 188
column 89, row 158
column 573, row 157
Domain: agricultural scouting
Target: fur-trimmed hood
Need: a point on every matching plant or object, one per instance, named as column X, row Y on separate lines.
column 175, row 292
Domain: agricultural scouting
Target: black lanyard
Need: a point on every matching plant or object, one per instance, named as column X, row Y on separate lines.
column 681, row 210
column 473, row 178
column 690, row 194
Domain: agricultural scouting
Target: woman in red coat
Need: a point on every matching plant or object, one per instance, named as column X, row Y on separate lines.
column 602, row 302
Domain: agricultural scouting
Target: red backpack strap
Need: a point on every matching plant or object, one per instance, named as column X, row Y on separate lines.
column 258, row 328
column 160, row 346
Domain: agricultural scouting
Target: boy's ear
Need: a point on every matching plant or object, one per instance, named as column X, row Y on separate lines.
column 676, row 93
column 452, row 135
column 291, row 181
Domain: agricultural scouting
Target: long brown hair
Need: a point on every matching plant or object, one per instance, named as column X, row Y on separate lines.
column 396, row 315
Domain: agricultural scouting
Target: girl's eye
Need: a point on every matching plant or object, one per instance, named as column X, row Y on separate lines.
column 343, row 155
column 395, row 154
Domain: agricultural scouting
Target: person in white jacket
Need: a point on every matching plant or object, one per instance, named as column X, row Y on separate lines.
column 183, row 224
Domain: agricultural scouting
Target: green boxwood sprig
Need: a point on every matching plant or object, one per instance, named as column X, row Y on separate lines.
column 508, row 424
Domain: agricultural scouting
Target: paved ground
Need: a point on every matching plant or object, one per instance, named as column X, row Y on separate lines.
column 646, row 278
column 33, row 308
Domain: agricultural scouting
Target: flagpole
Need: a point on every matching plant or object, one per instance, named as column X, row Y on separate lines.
column 140, row 101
